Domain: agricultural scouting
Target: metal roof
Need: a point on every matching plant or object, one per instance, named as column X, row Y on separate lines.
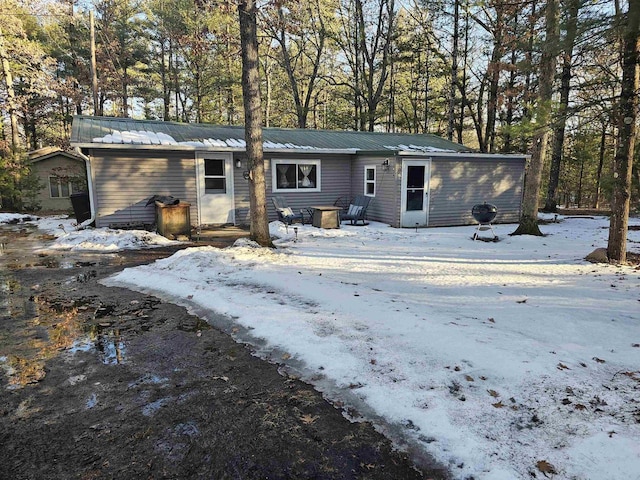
column 110, row 132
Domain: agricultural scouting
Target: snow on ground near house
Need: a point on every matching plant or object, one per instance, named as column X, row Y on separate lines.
column 90, row 239
column 492, row 357
column 15, row 218
column 108, row 240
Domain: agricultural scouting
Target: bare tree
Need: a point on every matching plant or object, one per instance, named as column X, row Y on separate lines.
column 454, row 69
column 565, row 85
column 299, row 30
column 529, row 218
column 247, row 11
column 11, row 97
column 622, row 164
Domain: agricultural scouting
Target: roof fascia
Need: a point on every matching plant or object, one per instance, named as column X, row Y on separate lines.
column 189, row 148
column 55, row 154
column 464, row 154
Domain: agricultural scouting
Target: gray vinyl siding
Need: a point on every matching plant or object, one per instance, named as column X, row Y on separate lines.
column 457, row 185
column 335, row 182
column 54, row 166
column 125, row 179
column 385, row 205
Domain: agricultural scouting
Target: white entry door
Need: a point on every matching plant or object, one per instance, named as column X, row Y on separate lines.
column 215, row 188
column 415, row 193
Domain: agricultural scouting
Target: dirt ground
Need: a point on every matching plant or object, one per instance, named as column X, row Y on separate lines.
column 99, row 382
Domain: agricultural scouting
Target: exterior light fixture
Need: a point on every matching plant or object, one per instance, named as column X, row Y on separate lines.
column 238, row 163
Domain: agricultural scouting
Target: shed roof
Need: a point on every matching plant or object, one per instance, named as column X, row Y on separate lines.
column 49, row 152
column 110, row 132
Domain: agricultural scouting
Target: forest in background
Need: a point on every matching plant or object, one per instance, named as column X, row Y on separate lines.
column 465, row 70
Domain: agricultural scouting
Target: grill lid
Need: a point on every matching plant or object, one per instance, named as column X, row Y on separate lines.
column 484, row 212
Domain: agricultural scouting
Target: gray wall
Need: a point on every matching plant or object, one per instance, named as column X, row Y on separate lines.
column 335, row 182
column 385, row 205
column 57, row 165
column 457, row 185
column 125, row 179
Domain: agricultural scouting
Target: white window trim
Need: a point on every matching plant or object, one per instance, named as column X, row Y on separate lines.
column 223, row 177
column 374, row 181
column 58, row 183
column 280, row 161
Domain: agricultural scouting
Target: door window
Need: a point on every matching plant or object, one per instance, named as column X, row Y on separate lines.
column 415, row 187
column 214, row 176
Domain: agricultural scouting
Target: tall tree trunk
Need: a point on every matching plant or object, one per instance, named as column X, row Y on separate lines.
column 528, row 94
column 623, row 162
column 529, row 218
column 11, row 97
column 94, row 66
column 465, row 67
column 603, row 139
column 454, row 70
column 166, row 91
column 565, row 87
column 247, row 12
column 125, row 93
column 494, row 80
column 231, row 103
column 268, row 83
column 510, row 97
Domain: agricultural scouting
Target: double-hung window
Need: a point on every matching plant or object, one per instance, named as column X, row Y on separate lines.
column 370, row 180
column 60, row 187
column 292, row 175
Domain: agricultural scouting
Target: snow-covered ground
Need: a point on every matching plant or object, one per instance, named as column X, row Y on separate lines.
column 502, row 360
column 92, row 239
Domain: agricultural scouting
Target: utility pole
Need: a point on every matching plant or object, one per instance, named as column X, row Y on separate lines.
column 94, row 71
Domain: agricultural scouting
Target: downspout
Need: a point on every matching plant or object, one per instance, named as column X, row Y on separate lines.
column 87, row 162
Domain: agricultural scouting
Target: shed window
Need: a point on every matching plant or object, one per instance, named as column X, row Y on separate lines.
column 214, row 176
column 59, row 187
column 370, row 180
column 288, row 175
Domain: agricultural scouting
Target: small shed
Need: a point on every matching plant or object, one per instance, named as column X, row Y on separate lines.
column 414, row 179
column 60, row 174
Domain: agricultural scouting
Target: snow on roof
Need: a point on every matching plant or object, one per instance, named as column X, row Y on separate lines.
column 417, row 148
column 145, row 137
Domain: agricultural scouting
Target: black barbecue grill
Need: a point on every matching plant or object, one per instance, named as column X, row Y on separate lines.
column 484, row 214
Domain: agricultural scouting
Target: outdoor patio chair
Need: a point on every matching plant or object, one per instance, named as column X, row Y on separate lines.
column 357, row 211
column 343, row 202
column 285, row 214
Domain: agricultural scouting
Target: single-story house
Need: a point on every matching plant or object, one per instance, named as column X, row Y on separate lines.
column 60, row 174
column 414, row 180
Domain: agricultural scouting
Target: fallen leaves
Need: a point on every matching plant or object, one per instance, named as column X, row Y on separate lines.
column 562, row 366
column 493, row 393
column 545, row 467
column 308, row 419
column 599, row 360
